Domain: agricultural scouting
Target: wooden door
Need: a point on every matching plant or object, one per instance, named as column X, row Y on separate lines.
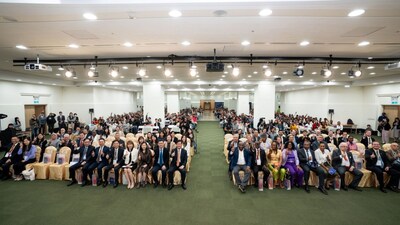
column 392, row 111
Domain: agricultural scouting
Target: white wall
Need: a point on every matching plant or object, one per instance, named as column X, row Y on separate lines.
column 153, row 100
column 173, row 102
column 65, row 99
column 264, row 101
column 243, row 103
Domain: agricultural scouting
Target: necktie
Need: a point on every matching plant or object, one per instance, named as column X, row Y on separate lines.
column 160, row 158
column 178, row 160
column 116, row 154
column 307, row 155
column 369, row 141
column 99, row 156
column 258, row 154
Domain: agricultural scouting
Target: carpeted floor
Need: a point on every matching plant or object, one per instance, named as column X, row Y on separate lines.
column 210, row 199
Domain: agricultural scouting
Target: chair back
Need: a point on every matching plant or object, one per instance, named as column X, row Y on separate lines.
column 386, row 147
column 129, row 135
column 38, row 152
column 67, row 153
column 179, row 136
column 52, row 151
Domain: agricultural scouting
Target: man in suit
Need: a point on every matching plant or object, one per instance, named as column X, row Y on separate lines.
column 343, row 138
column 309, row 163
column 102, row 160
column 179, row 160
column 85, row 154
column 331, row 139
column 90, row 165
column 343, row 161
column 232, row 145
column 61, row 120
column 259, row 163
column 241, row 161
column 315, row 144
column 377, row 162
column 120, row 141
column 161, row 162
column 11, row 157
column 66, row 142
column 367, row 140
column 115, row 156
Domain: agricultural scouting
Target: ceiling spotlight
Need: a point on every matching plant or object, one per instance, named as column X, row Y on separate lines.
column 73, row 46
column 363, row 43
column 167, row 72
column 90, row 73
column 92, row 67
column 299, row 72
column 175, row 13
column 268, row 72
column 142, row 72
column 89, row 16
column 114, row 71
column 265, row 12
column 326, row 72
column 229, row 66
column 304, row 43
column 61, row 68
column 21, row 47
column 245, row 43
column 159, row 67
column 356, row 12
column 193, row 72
column 125, row 67
column 370, row 67
column 68, row 73
column 313, row 73
column 236, row 71
column 335, row 67
column 357, row 73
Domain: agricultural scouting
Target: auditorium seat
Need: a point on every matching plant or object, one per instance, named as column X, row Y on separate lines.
column 42, row 169
column 57, row 170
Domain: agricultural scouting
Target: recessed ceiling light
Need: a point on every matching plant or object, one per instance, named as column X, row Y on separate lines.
column 335, row 67
column 125, row 67
column 314, row 73
column 346, row 86
column 304, row 43
column 146, row 76
column 197, row 76
column 372, row 73
column 19, row 80
column 53, row 84
column 391, row 81
column 265, row 12
column 73, row 46
column 159, row 67
column 175, row 13
column 127, row 44
column 284, row 72
column 221, row 79
column 89, row 16
column 186, row 43
column 58, row 74
column 61, row 68
column 370, row 67
column 245, row 43
column 40, row 82
column 363, row 43
column 75, row 78
column 248, row 76
column 356, row 12
column 255, row 72
column 311, row 80
column 122, row 77
column 370, row 58
column 225, row 72
column 21, row 47
column 374, row 83
column 223, row 76
column 343, row 73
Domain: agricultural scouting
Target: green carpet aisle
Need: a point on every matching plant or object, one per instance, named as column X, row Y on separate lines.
column 209, row 199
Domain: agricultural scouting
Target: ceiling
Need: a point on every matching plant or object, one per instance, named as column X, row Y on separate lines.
column 47, row 30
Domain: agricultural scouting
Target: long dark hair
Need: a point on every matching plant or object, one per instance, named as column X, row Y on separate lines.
column 26, row 148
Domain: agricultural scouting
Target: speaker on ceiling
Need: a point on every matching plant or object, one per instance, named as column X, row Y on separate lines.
column 91, row 110
column 330, row 111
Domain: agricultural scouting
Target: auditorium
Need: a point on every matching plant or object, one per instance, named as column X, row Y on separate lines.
column 199, row 112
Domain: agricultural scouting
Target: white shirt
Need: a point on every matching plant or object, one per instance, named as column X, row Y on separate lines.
column 265, row 145
column 321, row 157
column 345, row 162
column 241, row 160
column 259, row 157
column 308, row 154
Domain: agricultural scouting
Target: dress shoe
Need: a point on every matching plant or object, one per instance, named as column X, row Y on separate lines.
column 356, row 189
column 394, row 189
column 105, row 184
column 99, row 183
column 83, row 184
column 184, row 186
column 241, row 188
column 345, row 188
column 170, row 187
column 155, row 185
column 164, row 185
column 383, row 190
column 307, row 189
column 72, row 183
column 115, row 185
column 323, row 191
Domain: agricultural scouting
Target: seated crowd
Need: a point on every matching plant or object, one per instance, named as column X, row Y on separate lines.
column 286, row 154
column 111, row 144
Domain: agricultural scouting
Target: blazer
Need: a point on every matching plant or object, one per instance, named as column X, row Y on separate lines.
column 120, row 155
column 235, row 157
column 328, row 140
column 229, row 149
column 89, row 157
column 372, row 161
column 337, row 161
column 183, row 159
column 284, row 157
column 315, row 145
column 364, row 141
column 303, row 159
column 14, row 157
column 106, row 151
column 263, row 157
column 165, row 156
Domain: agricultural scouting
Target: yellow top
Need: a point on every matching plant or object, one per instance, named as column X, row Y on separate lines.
column 275, row 157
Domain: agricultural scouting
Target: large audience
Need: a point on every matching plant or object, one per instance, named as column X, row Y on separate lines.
column 282, row 152
column 114, row 143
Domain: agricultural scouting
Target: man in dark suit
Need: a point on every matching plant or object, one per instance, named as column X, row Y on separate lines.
column 259, row 163
column 232, row 145
column 85, row 155
column 315, row 144
column 102, row 160
column 343, row 161
column 11, row 157
column 115, row 156
column 377, row 162
column 90, row 165
column 331, row 139
column 309, row 163
column 179, row 160
column 161, row 162
column 367, row 140
column 343, row 138
column 241, row 161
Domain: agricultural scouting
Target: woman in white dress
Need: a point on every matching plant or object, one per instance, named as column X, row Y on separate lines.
column 130, row 163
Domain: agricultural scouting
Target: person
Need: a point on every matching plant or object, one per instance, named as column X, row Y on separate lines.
column 42, row 122
column 367, row 139
column 51, row 120
column 385, row 131
column 241, row 161
column 61, row 120
column 116, row 156
column 331, row 138
column 274, row 157
column 71, row 119
column 120, row 141
column 377, row 162
column 179, row 159
column 66, row 142
column 352, row 145
column 291, row 162
column 54, row 141
column 90, row 165
column 232, row 145
column 144, row 164
column 316, row 144
column 102, row 160
column 396, row 129
column 342, row 161
column 309, row 163
column 10, row 158
column 264, row 143
column 17, row 124
column 34, row 125
column 161, row 160
column 42, row 143
column 259, row 163
column 27, row 155
column 85, row 154
column 393, row 155
column 343, row 138
column 322, row 155
column 130, row 163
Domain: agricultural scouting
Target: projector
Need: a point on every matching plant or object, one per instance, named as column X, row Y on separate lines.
column 37, row 66
column 214, row 67
column 392, row 66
